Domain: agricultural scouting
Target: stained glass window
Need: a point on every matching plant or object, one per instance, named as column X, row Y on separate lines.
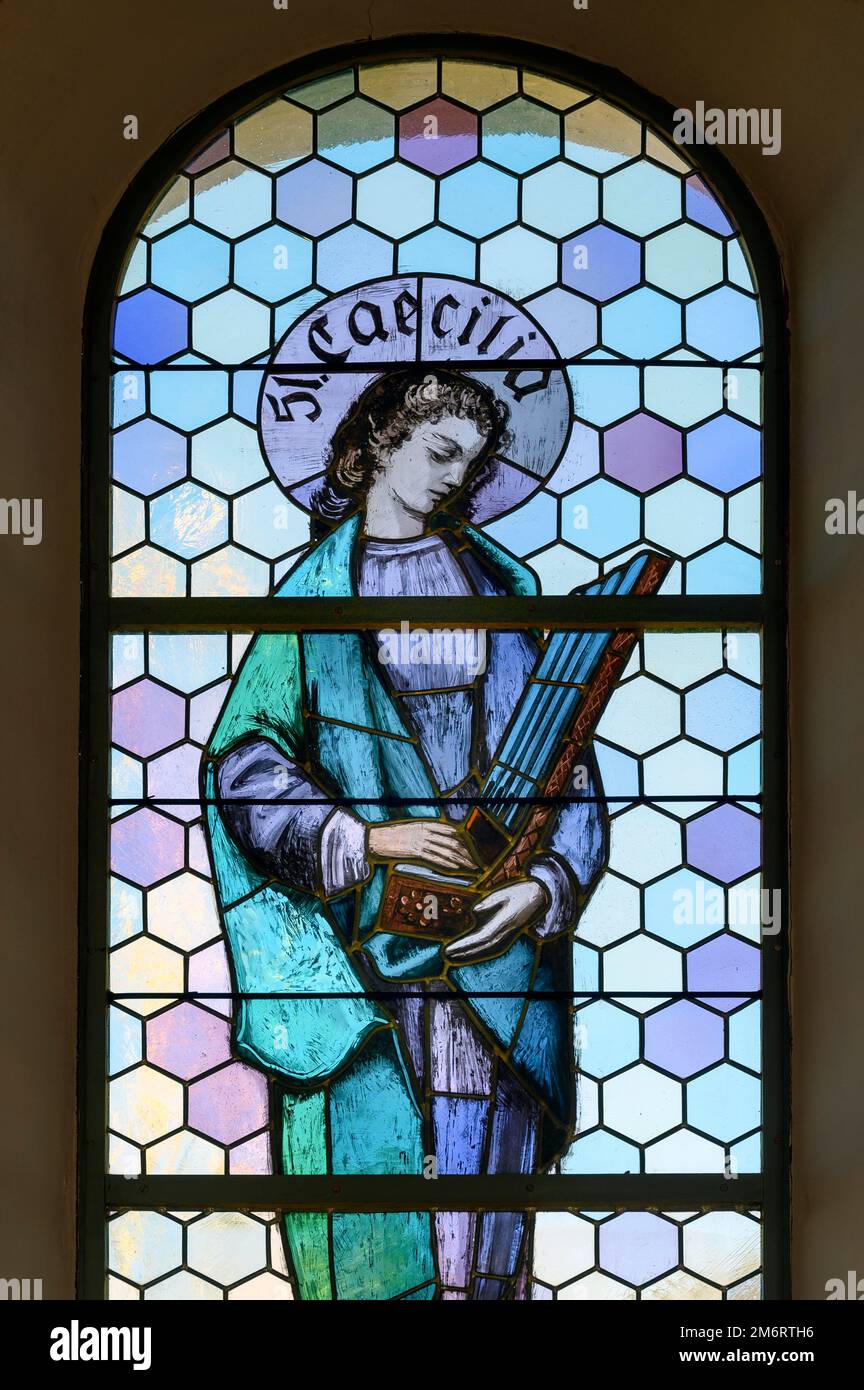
column 439, row 840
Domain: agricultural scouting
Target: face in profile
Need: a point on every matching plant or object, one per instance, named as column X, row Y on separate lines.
column 430, row 465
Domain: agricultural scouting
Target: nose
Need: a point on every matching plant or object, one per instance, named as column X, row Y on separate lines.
column 456, row 472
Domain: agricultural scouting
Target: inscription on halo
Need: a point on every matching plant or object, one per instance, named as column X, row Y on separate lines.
column 310, row 386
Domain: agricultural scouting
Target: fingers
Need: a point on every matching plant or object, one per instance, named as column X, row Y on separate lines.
column 423, row 841
column 491, row 903
column 499, row 921
column 450, row 834
column 450, row 858
column 478, row 944
column 443, row 846
column 442, row 856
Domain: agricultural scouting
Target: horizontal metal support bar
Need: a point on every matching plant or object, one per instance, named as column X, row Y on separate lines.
column 492, row 365
column 404, row 1192
column 643, row 611
column 117, row 996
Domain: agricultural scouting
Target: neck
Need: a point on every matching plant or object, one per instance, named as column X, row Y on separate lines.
column 387, row 517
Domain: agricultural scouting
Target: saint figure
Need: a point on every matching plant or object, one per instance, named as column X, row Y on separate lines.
column 340, row 755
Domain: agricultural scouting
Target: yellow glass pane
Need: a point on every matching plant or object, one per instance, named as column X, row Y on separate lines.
column 171, row 208
column 185, row 1153
column 145, row 1105
column 141, row 967
column 657, row 149
column 274, row 137
column 183, row 912
column 147, row 573
column 602, row 127
column 324, row 91
column 558, row 94
column 478, row 84
column 226, row 573
column 400, row 84
column 134, row 272
column 128, row 1240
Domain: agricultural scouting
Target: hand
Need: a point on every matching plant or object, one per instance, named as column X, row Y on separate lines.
column 430, row 842
column 501, row 915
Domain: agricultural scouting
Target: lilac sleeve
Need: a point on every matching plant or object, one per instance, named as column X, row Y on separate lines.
column 575, row 854
column 285, row 823
column 553, row 875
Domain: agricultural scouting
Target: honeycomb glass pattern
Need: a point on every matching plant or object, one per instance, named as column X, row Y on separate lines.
column 598, row 229
column 666, row 960
column 578, row 276
column 196, row 1256
column 574, row 1256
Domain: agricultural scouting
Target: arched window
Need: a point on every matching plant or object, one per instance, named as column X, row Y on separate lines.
column 440, row 637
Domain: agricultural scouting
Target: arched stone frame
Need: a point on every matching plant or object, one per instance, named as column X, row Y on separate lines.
column 103, row 615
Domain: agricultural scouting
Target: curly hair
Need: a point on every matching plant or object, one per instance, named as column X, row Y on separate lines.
column 387, row 413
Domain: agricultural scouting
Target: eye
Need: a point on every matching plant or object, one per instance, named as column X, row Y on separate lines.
column 439, row 458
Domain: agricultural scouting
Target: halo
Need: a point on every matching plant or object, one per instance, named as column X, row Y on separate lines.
column 311, row 382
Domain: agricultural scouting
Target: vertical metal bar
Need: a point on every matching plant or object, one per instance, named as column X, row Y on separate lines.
column 776, row 1037
column 93, row 875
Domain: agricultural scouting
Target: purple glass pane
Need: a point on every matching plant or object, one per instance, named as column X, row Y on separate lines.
column 306, row 492
column 208, row 970
column 580, row 461
column 600, row 263
column 148, row 457
column 203, row 710
column 146, row 848
column 230, row 1104
column 726, row 963
column 148, row 327
column 702, row 207
column 461, row 1061
column 186, row 1041
column 725, row 453
column 683, row 1038
column 570, row 320
column 438, row 137
column 147, row 717
column 314, row 198
column 638, row 1247
column 642, row 452
column 251, row 1157
column 211, row 154
column 198, row 858
column 174, row 776
column 724, row 843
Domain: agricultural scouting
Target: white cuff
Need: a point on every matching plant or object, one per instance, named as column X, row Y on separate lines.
column 556, row 878
column 342, row 852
